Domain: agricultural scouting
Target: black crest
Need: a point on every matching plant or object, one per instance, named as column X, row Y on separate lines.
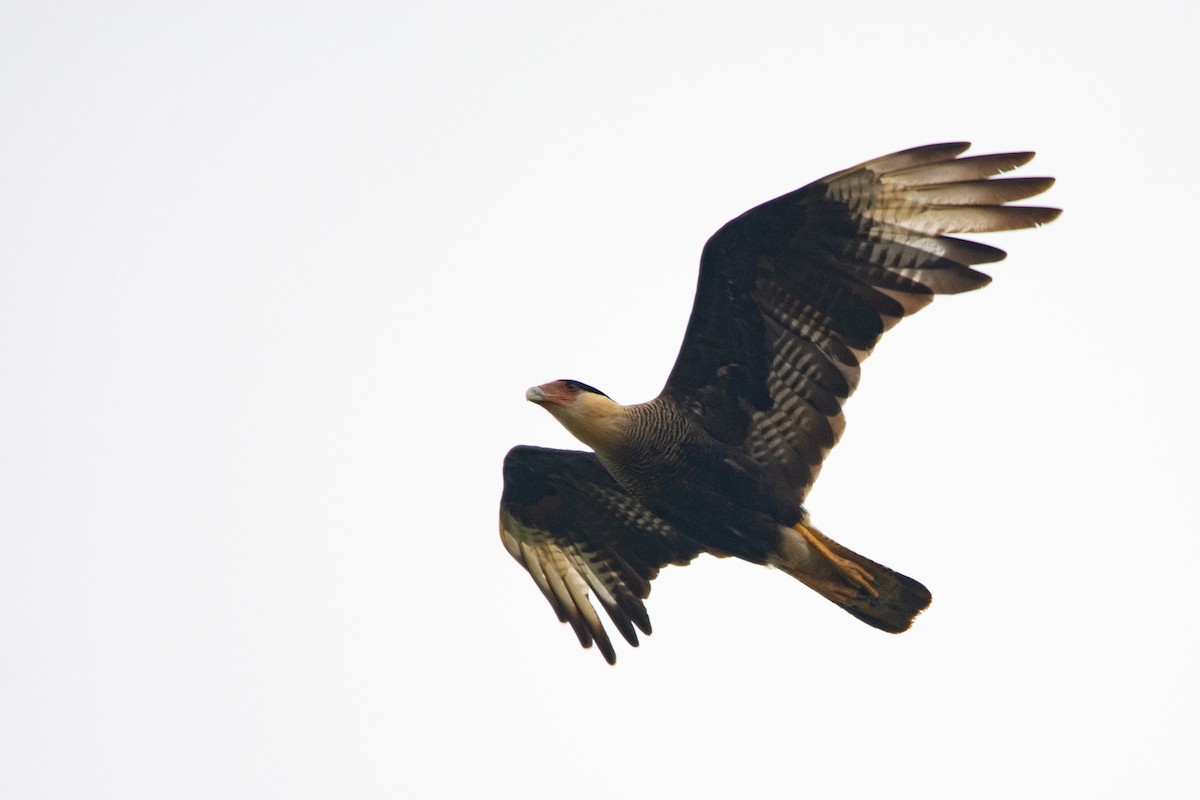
column 583, row 387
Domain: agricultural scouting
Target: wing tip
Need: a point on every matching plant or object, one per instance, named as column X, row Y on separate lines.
column 913, row 157
column 1051, row 214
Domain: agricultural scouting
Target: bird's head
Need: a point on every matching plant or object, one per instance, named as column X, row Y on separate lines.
column 588, row 413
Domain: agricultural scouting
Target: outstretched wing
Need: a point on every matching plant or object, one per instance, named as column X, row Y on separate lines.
column 565, row 519
column 795, row 293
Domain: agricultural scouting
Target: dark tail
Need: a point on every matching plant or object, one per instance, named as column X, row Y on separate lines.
column 880, row 597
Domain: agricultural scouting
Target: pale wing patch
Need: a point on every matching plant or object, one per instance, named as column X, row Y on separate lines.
column 870, row 249
column 563, row 578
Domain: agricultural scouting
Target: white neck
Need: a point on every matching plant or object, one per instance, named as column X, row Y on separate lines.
column 595, row 420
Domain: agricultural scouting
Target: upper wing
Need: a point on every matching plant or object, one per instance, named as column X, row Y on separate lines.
column 565, row 519
column 795, row 293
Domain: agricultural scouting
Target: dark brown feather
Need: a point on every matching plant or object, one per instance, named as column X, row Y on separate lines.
column 579, row 534
column 795, row 293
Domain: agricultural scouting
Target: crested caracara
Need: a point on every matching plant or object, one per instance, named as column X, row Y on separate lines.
column 793, row 295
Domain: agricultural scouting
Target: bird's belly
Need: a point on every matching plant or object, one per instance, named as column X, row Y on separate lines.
column 707, row 508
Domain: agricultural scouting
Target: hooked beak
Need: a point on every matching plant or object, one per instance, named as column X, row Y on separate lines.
column 536, row 394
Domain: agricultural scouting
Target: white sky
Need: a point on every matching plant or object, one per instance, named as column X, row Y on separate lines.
column 274, row 278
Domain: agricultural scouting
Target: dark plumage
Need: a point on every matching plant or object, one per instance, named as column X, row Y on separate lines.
column 792, row 296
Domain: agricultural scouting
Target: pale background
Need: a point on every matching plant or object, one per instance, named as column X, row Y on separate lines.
column 275, row 276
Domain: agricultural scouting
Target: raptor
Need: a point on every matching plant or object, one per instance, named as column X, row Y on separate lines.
column 792, row 296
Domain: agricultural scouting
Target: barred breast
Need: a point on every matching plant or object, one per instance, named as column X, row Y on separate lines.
column 655, row 444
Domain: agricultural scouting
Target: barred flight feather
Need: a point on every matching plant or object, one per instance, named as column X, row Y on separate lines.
column 579, row 534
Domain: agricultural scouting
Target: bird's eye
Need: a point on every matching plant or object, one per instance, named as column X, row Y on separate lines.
column 571, row 386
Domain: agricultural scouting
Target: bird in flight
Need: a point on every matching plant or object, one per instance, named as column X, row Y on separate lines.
column 793, row 295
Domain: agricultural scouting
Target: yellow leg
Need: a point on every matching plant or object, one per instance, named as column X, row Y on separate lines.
column 853, row 573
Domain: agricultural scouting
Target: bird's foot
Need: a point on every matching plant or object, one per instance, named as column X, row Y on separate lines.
column 853, row 574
